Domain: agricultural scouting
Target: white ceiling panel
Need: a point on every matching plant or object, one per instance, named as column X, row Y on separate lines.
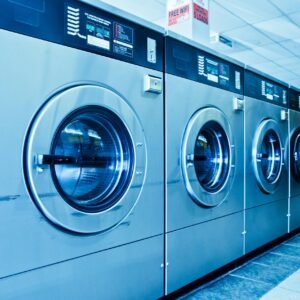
column 287, row 6
column 273, row 52
column 222, row 20
column 164, row 2
column 251, row 11
column 295, row 82
column 249, row 36
column 269, row 68
column 285, row 75
column 292, row 45
column 292, row 60
column 297, row 70
column 292, row 68
column 148, row 10
column 279, row 29
column 295, row 18
column 249, row 57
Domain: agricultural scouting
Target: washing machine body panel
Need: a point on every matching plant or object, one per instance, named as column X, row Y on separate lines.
column 266, row 161
column 95, row 275
column 294, row 183
column 256, row 112
column 198, row 218
column 184, row 98
column 32, row 79
column 294, row 118
column 196, row 251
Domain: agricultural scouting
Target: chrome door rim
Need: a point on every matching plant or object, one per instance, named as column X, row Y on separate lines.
column 263, row 128
column 43, row 190
column 195, row 190
column 295, row 139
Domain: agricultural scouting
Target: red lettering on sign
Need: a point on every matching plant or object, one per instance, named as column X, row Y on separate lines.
column 200, row 13
column 179, row 14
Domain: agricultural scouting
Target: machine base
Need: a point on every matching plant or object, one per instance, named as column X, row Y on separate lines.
column 265, row 223
column 195, row 251
column 132, row 271
column 295, row 213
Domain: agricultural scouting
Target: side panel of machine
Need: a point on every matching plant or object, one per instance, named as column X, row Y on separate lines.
column 294, row 186
column 266, row 160
column 183, row 98
column 294, row 213
column 131, row 271
column 198, row 250
column 265, row 223
column 256, row 112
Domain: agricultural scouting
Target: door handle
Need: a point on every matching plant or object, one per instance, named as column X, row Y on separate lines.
column 82, row 161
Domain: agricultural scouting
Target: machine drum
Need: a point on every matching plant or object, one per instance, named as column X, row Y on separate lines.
column 212, row 157
column 91, row 159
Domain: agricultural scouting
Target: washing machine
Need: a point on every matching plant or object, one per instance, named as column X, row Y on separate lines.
column 294, row 174
column 204, row 161
column 266, row 159
column 82, row 206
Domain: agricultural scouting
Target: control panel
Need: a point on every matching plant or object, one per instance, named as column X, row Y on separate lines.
column 78, row 25
column 263, row 88
column 186, row 61
column 294, row 99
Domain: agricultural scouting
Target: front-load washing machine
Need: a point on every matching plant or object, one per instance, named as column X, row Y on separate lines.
column 81, row 157
column 204, row 161
column 294, row 174
column 266, row 160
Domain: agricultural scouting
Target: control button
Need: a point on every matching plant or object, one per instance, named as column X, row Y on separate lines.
column 238, row 104
column 284, row 115
column 152, row 84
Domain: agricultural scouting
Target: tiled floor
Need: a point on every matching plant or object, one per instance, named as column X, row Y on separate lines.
column 274, row 275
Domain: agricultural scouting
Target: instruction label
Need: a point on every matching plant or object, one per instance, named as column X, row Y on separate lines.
column 123, row 40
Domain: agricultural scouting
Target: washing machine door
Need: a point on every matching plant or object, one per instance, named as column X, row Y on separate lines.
column 295, row 155
column 85, row 159
column 267, row 155
column 208, row 157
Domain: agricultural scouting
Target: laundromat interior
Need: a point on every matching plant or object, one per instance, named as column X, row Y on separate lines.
column 150, row 149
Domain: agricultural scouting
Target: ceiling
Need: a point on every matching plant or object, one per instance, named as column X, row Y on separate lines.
column 266, row 33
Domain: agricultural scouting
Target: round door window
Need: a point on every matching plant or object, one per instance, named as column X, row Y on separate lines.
column 211, row 157
column 267, row 155
column 270, row 156
column 208, row 157
column 91, row 159
column 295, row 155
column 81, row 159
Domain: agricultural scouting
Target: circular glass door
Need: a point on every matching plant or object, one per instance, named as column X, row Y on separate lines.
column 80, row 159
column 268, row 155
column 211, row 157
column 207, row 157
column 295, row 155
column 91, row 159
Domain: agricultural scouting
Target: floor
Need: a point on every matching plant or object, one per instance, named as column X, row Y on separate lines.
column 273, row 275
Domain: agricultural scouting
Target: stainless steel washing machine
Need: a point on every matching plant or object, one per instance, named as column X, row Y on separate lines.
column 294, row 174
column 266, row 159
column 81, row 157
column 204, row 162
